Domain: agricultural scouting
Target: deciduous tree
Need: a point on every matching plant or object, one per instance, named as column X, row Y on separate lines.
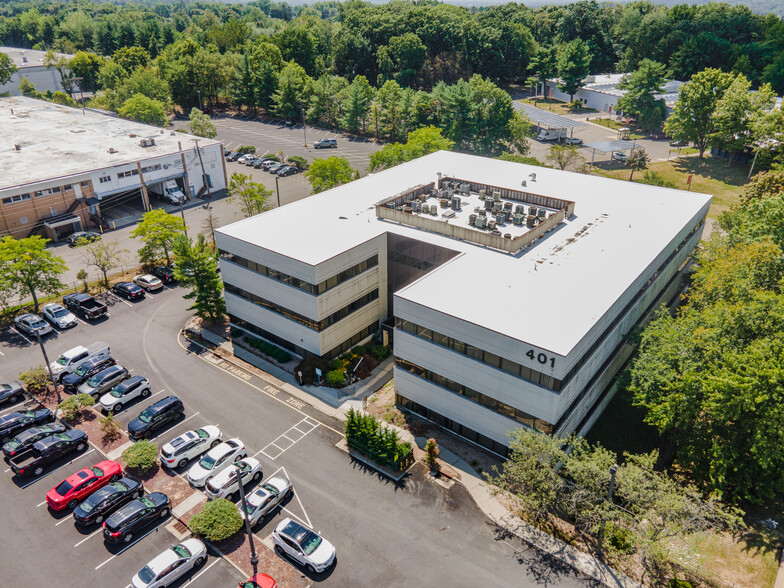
column 562, row 156
column 253, row 197
column 325, row 174
column 105, row 256
column 27, row 267
column 638, row 160
column 201, row 124
column 197, row 267
column 144, row 110
column 158, row 229
column 7, row 68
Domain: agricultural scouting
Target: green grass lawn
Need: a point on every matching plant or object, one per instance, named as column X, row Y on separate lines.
column 709, row 175
column 555, row 106
column 610, row 123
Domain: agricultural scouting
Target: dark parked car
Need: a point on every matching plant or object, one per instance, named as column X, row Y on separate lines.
column 165, row 273
column 11, row 392
column 128, row 290
column 85, row 305
column 275, row 167
column 85, row 371
column 135, row 516
column 25, row 439
column 287, row 170
column 155, row 416
column 103, row 381
column 18, row 421
column 259, row 163
column 234, row 156
column 105, row 501
column 74, row 239
column 47, row 450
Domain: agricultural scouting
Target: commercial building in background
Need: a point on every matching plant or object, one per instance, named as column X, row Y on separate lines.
column 30, row 65
column 507, row 289
column 65, row 170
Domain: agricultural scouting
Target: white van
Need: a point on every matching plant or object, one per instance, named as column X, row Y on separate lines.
column 73, row 358
column 551, row 134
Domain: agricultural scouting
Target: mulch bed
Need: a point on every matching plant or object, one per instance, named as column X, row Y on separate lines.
column 160, row 479
column 237, row 549
column 91, row 425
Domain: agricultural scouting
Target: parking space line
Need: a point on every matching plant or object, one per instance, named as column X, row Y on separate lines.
column 189, row 418
column 217, row 559
column 60, row 522
column 1, row 353
column 41, row 477
column 37, row 505
column 282, row 450
column 18, row 332
column 118, row 298
column 127, row 547
column 88, row 536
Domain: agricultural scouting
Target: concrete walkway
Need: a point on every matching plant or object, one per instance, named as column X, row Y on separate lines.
column 335, row 403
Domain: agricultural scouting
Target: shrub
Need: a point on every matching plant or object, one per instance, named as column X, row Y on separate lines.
column 272, row 156
column 298, row 162
column 575, row 104
column 246, row 149
column 141, row 456
column 72, row 406
column 379, row 352
column 336, row 364
column 431, row 454
column 308, row 367
column 218, row 520
column 621, row 539
column 268, row 349
column 236, row 333
column 335, row 378
column 110, row 428
column 366, row 433
column 35, row 379
column 656, row 179
column 359, row 350
column 675, row 583
column 82, row 277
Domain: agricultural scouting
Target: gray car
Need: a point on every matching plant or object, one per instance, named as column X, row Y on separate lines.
column 32, row 324
column 103, row 381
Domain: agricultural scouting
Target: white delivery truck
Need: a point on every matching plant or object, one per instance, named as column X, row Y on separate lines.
column 551, row 135
column 169, row 191
column 73, row 358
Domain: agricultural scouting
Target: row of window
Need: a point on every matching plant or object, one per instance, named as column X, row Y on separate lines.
column 471, row 394
column 321, row 325
column 150, row 168
column 37, row 194
column 127, row 174
column 315, row 289
column 502, row 363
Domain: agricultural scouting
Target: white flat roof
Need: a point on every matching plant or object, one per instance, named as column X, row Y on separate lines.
column 29, row 57
column 59, row 141
column 579, row 269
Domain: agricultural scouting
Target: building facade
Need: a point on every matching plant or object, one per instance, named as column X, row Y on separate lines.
column 30, row 64
column 66, row 170
column 507, row 288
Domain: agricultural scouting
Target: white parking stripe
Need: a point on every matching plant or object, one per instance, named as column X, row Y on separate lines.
column 118, row 298
column 281, row 446
column 127, row 547
column 217, row 559
column 88, row 536
column 60, row 522
column 18, row 332
column 41, row 477
column 37, row 505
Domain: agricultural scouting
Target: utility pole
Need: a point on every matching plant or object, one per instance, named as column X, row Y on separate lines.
column 203, row 172
column 254, row 559
column 184, row 224
column 304, row 127
column 49, row 367
column 277, row 188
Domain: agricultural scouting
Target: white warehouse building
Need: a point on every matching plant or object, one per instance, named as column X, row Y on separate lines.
column 508, row 288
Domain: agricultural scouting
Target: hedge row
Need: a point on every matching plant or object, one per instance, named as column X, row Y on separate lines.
column 268, row 349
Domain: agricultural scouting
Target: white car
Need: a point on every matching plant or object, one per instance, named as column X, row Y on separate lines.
column 303, row 545
column 180, row 450
column 620, row 156
column 264, row 499
column 224, row 485
column 171, row 564
column 148, row 282
column 122, row 394
column 31, row 324
column 59, row 315
column 245, row 158
column 217, row 459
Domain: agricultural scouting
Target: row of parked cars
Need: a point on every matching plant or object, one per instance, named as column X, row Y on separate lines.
column 271, row 165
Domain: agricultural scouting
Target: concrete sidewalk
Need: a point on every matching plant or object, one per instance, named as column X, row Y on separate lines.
column 331, row 402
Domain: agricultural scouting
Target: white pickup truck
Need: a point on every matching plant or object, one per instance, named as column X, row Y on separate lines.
column 73, row 358
column 169, row 191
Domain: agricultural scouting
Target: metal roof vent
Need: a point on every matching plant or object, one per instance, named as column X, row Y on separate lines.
column 17, row 147
column 112, row 150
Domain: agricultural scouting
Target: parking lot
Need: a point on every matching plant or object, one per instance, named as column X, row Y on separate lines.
column 412, row 533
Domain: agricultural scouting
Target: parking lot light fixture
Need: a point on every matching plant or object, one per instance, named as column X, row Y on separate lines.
column 254, row 559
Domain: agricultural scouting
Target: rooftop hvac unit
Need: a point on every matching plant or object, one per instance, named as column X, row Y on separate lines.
column 530, row 221
column 479, row 223
column 449, row 214
column 496, row 205
column 433, row 209
column 455, row 202
column 496, row 195
column 477, row 209
column 482, row 193
column 541, row 213
column 496, row 232
column 147, row 143
column 488, row 204
column 482, row 212
column 465, row 188
column 471, row 220
column 416, row 206
column 500, row 218
column 508, row 206
column 532, row 211
column 517, row 219
column 491, row 225
column 507, row 235
column 519, row 209
column 444, row 203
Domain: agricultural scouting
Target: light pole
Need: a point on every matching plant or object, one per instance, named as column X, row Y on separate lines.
column 254, row 559
column 198, row 92
column 49, row 367
column 304, row 127
column 277, row 188
column 203, row 172
column 613, row 469
column 184, row 225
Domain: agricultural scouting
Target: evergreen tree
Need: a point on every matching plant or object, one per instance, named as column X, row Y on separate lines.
column 197, row 267
column 574, row 61
column 640, row 99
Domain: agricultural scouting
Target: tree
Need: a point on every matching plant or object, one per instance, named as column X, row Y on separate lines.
column 201, row 125
column 574, row 61
column 144, row 110
column 692, row 118
column 638, row 160
column 640, row 99
column 105, row 256
column 356, row 104
column 217, row 520
column 420, row 142
column 290, row 95
column 197, row 266
column 544, row 65
column 562, row 156
column 141, row 456
column 60, row 63
column 325, row 174
column 7, row 69
column 209, row 224
column 158, row 229
column 252, row 197
column 770, row 183
column 87, row 66
column 28, row 268
column 736, row 114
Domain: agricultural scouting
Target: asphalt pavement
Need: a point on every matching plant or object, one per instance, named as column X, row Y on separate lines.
column 416, row 533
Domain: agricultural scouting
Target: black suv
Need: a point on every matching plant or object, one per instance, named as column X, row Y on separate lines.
column 165, row 273
column 155, row 416
column 106, row 500
column 128, row 290
column 85, row 371
column 25, row 439
column 131, row 518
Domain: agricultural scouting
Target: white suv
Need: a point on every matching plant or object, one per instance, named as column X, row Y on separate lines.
column 224, row 485
column 180, row 450
column 304, row 546
column 122, row 394
column 176, row 561
column 217, row 459
column 263, row 500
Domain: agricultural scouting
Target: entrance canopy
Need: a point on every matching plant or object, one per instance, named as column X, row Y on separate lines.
column 546, row 119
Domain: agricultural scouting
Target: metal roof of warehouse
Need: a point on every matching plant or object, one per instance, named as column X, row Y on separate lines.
column 547, row 119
